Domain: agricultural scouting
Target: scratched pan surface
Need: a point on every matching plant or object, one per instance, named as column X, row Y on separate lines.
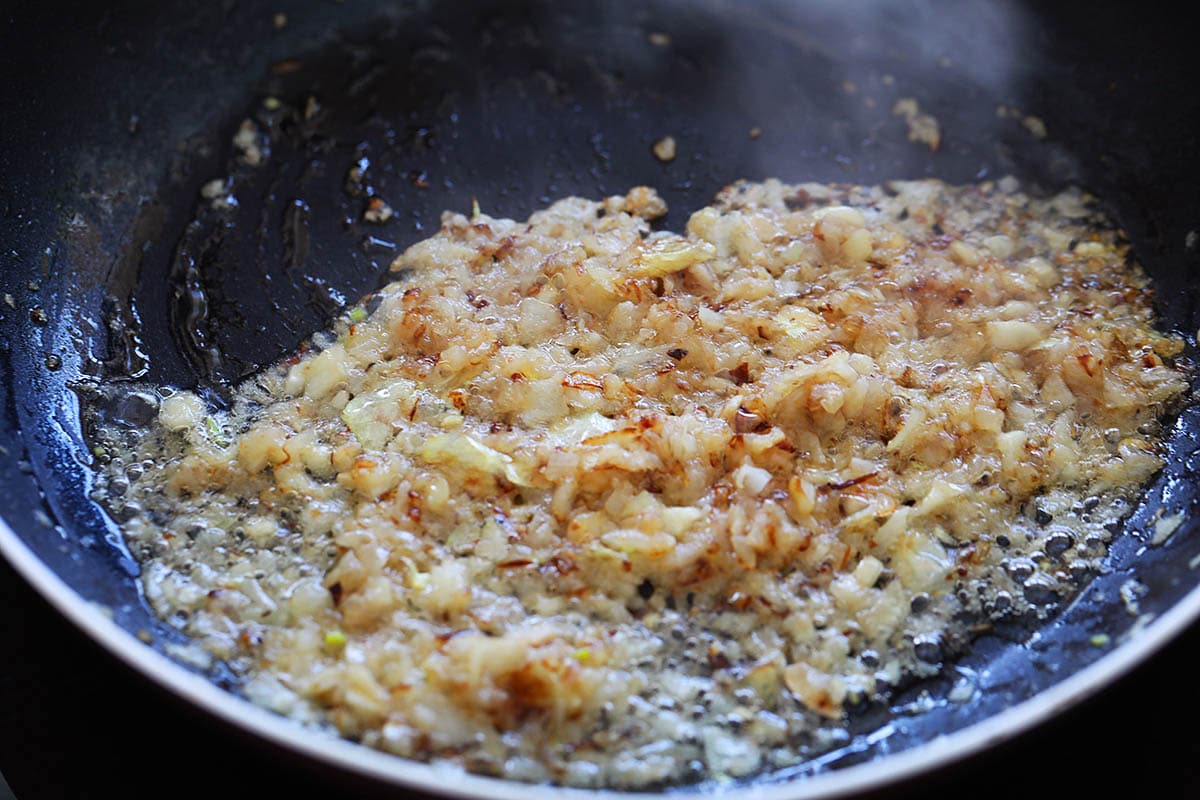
column 118, row 269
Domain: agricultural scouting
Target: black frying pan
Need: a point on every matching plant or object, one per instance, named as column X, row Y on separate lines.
column 114, row 119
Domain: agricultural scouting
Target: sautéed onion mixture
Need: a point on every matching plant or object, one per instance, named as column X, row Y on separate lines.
column 580, row 501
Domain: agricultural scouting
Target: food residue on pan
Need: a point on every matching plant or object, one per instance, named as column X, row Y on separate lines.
column 218, row 192
column 249, row 142
column 664, row 148
column 923, row 128
column 377, row 211
column 1034, row 124
column 578, row 501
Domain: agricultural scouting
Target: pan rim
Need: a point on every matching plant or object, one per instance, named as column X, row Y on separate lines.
column 452, row 782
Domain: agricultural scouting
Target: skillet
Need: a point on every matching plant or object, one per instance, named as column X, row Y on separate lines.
column 115, row 119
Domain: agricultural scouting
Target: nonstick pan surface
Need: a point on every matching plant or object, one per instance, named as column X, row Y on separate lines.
column 118, row 270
